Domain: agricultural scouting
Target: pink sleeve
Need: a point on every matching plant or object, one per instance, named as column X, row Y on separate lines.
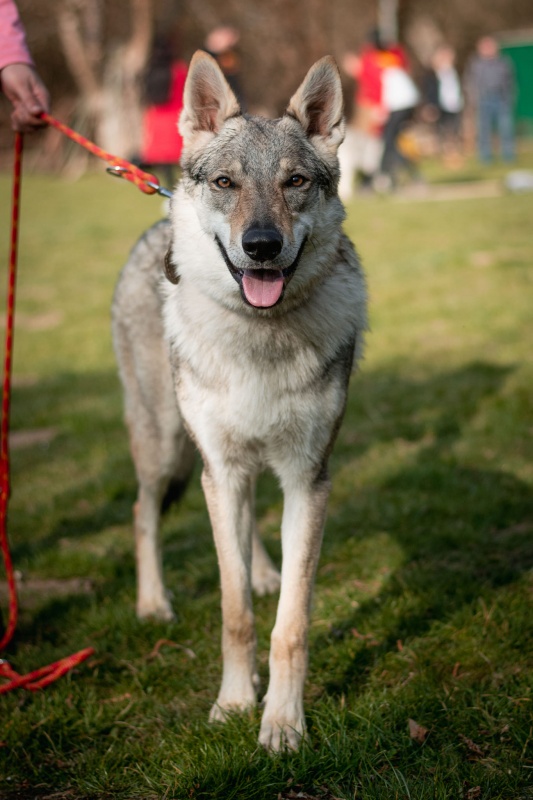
column 13, row 47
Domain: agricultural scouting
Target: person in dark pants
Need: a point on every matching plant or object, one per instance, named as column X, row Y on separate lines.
column 400, row 97
column 393, row 158
column 490, row 86
column 443, row 102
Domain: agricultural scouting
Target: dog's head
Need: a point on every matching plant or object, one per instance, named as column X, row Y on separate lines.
column 264, row 191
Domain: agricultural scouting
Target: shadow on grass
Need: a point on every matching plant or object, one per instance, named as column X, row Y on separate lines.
column 454, row 550
column 385, row 405
column 461, row 530
column 458, row 527
column 86, row 410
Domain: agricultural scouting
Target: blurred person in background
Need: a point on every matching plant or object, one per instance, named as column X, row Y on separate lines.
column 443, row 102
column 19, row 80
column 363, row 149
column 490, row 88
column 163, row 84
column 399, row 97
column 221, row 43
column 360, row 153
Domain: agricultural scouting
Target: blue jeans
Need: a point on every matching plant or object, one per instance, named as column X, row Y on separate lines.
column 495, row 113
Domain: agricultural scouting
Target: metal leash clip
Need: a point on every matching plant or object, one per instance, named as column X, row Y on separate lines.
column 160, row 189
column 118, row 172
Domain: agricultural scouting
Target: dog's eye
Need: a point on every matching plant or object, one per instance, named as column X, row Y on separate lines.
column 296, row 181
column 224, row 182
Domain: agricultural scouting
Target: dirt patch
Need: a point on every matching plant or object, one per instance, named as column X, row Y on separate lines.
column 29, row 438
column 24, row 382
column 32, row 591
column 36, row 322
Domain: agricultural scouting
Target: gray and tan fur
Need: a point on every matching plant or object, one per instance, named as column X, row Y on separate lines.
column 255, row 332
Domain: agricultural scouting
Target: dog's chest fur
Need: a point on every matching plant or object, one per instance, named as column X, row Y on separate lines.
column 267, row 384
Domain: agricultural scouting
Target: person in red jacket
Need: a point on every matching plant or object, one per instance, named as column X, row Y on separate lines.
column 163, row 94
column 362, row 149
column 19, row 80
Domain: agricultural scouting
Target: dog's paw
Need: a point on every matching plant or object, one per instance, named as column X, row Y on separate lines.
column 279, row 734
column 218, row 714
column 159, row 610
column 220, row 710
column 265, row 580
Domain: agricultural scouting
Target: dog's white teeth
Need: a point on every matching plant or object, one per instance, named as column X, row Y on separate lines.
column 262, row 287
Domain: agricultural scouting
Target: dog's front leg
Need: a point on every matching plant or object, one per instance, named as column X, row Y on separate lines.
column 231, row 507
column 283, row 722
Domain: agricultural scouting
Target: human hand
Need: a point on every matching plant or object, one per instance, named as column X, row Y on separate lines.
column 27, row 94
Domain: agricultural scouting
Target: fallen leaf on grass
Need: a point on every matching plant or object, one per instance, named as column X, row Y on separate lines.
column 32, row 437
column 417, row 732
column 473, row 748
column 118, row 699
column 367, row 637
column 168, row 643
column 409, row 678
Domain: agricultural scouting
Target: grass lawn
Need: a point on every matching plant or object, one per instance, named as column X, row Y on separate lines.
column 421, row 644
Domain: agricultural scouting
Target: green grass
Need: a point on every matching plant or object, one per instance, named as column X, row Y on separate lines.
column 424, row 591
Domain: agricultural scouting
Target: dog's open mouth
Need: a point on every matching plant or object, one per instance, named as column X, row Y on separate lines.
column 261, row 288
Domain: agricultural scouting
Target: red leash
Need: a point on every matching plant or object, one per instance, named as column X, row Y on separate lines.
column 6, row 396
column 148, row 184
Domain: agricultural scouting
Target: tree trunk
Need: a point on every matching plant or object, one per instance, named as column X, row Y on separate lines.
column 120, row 123
column 109, row 106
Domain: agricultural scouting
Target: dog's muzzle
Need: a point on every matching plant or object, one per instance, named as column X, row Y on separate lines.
column 262, row 288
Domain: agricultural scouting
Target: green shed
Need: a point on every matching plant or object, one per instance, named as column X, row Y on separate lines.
column 518, row 46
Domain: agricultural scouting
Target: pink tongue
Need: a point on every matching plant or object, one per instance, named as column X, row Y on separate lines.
column 262, row 287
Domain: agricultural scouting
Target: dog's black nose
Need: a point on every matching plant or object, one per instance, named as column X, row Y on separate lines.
column 262, row 244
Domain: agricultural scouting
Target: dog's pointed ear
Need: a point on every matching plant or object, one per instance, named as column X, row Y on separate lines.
column 207, row 99
column 318, row 104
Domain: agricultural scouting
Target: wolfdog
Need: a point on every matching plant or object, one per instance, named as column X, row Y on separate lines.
column 249, row 307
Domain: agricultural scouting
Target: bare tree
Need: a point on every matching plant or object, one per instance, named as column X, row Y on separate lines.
column 107, row 74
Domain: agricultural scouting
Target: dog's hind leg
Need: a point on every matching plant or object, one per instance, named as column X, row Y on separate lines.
column 161, row 449
column 265, row 577
column 162, row 453
column 152, row 599
column 157, row 463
